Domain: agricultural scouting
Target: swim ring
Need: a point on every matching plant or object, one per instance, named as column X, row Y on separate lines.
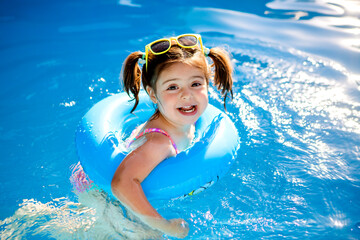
column 101, row 136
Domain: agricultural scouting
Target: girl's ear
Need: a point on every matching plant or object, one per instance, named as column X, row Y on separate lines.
column 151, row 93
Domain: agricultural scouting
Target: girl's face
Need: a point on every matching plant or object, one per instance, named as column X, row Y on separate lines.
column 181, row 94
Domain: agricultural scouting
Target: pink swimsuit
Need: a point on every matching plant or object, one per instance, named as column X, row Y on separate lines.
column 150, row 130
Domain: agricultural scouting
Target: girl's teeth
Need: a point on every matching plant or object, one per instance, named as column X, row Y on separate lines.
column 188, row 109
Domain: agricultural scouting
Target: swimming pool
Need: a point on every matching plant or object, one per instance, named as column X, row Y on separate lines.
column 296, row 105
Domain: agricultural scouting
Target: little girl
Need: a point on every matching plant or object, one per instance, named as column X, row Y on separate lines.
column 176, row 75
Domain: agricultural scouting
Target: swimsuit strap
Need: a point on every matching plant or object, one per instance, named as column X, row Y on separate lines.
column 150, row 130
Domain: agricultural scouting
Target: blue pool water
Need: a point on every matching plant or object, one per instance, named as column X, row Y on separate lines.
column 296, row 105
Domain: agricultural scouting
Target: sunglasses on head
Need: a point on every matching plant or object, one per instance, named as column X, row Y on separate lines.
column 163, row 45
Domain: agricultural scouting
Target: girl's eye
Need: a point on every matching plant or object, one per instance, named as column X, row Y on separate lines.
column 196, row 84
column 172, row 88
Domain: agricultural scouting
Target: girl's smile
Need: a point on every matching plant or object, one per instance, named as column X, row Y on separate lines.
column 188, row 110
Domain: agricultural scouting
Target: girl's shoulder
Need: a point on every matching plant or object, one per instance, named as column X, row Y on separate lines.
column 156, row 136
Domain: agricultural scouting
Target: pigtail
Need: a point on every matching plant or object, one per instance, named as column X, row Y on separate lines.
column 132, row 76
column 223, row 71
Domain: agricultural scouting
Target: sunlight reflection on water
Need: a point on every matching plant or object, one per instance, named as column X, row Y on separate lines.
column 296, row 105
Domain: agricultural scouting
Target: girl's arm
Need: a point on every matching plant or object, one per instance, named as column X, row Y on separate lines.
column 126, row 183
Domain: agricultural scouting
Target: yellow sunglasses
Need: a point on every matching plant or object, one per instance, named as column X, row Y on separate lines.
column 163, row 45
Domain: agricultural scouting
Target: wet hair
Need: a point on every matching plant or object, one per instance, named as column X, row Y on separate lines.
column 133, row 76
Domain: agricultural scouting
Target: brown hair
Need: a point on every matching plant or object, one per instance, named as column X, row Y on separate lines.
column 132, row 75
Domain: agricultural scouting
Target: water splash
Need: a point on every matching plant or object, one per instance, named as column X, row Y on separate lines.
column 94, row 217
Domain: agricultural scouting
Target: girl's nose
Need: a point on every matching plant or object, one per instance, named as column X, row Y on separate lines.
column 185, row 94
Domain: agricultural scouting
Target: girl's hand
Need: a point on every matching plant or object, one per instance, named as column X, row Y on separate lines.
column 177, row 228
column 174, row 227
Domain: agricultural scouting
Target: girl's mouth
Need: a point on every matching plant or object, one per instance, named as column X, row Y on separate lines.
column 188, row 110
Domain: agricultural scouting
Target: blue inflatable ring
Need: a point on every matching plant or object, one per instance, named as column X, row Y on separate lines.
column 101, row 136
